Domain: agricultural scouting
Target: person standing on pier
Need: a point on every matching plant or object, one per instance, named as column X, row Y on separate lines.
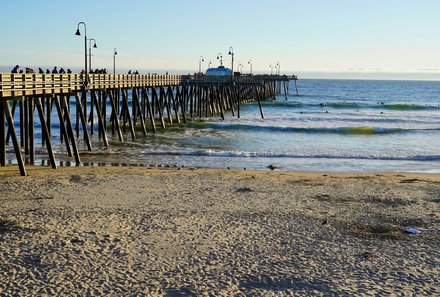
column 15, row 69
column 55, row 71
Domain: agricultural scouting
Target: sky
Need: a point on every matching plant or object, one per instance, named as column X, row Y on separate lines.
column 383, row 39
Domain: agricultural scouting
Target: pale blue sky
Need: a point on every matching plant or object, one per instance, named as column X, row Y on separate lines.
column 314, row 38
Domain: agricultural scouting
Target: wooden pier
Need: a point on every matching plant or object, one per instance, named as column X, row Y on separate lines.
column 136, row 100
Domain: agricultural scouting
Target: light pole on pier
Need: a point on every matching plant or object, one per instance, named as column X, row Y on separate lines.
column 250, row 62
column 90, row 51
column 200, row 63
column 209, row 64
column 240, row 67
column 78, row 33
column 271, row 69
column 114, row 60
column 220, row 57
column 278, row 68
column 231, row 52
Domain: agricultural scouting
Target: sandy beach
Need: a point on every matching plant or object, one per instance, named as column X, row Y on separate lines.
column 131, row 231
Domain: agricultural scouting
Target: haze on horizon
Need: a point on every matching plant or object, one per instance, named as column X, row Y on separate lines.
column 393, row 39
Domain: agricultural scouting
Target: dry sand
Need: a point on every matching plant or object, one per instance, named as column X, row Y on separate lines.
column 140, row 231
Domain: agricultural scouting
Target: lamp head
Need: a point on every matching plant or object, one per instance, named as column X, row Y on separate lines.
column 77, row 32
column 94, row 46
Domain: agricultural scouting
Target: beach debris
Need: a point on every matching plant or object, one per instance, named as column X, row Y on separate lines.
column 244, row 190
column 76, row 240
column 409, row 180
column 253, row 177
column 412, row 231
column 325, row 221
column 367, row 255
column 272, row 167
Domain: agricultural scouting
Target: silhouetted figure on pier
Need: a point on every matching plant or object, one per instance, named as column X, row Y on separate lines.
column 21, row 71
column 69, row 71
column 55, row 70
column 15, row 69
column 41, row 71
column 29, row 70
column 129, row 71
column 62, row 71
column 47, row 71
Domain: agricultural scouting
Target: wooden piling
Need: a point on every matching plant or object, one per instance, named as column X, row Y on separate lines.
column 17, row 150
column 2, row 136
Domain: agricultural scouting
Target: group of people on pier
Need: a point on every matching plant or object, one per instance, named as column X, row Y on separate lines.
column 55, row 70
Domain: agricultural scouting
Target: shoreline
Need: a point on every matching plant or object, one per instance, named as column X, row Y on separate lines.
column 9, row 169
column 196, row 231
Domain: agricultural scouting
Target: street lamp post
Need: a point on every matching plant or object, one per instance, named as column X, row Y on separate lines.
column 271, row 69
column 231, row 52
column 278, row 68
column 250, row 62
column 220, row 57
column 209, row 64
column 78, row 33
column 90, row 51
column 200, row 63
column 114, row 60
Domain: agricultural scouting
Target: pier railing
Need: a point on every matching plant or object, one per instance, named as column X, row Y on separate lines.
column 13, row 85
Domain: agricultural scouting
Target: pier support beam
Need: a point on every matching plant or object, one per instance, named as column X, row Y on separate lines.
column 2, row 136
column 45, row 131
column 17, row 149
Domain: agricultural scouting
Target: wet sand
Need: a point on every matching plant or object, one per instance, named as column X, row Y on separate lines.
column 196, row 232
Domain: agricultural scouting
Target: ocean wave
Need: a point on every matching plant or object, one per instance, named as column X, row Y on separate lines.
column 242, row 154
column 358, row 130
column 349, row 105
column 397, row 106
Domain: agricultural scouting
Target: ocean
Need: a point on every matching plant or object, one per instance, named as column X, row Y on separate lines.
column 331, row 126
